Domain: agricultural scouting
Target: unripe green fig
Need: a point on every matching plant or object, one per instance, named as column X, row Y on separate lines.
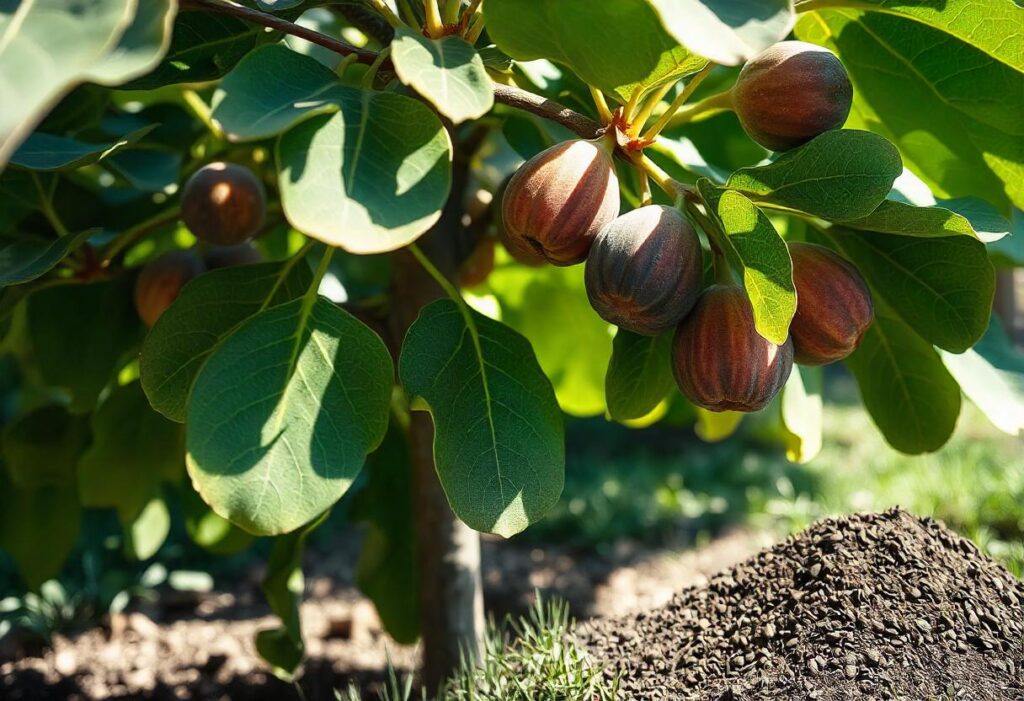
column 160, row 281
column 223, row 204
column 230, row 256
column 644, row 270
column 833, row 308
column 557, row 201
column 790, row 93
column 720, row 361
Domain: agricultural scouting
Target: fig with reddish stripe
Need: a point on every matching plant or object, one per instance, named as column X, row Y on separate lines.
column 791, row 93
column 720, row 361
column 645, row 269
column 834, row 307
column 559, row 200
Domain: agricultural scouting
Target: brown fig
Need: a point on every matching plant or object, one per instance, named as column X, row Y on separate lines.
column 526, row 256
column 558, row 200
column 790, row 93
column 475, row 269
column 645, row 269
column 230, row 256
column 833, row 309
column 223, row 204
column 161, row 280
column 720, row 361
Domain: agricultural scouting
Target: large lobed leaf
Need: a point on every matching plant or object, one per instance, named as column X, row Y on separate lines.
column 499, row 444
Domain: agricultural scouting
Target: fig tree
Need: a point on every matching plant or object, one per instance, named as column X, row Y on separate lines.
column 230, row 256
column 790, row 93
column 834, row 306
column 720, row 361
column 223, row 204
column 558, row 200
column 644, row 270
column 160, row 281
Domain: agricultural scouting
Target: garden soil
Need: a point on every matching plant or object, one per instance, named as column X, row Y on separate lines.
column 880, row 606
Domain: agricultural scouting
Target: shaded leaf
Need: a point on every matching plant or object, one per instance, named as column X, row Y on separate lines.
column 639, row 374
column 910, row 396
column 942, row 288
column 208, row 309
column 25, row 259
column 54, row 152
column 499, row 444
column 41, row 448
column 38, row 528
column 283, row 413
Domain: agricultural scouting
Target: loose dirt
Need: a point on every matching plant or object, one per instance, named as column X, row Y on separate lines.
column 882, row 606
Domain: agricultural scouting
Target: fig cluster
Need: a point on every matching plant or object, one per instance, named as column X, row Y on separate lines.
column 645, row 269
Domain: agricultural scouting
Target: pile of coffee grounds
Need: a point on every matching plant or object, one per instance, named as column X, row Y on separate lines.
column 875, row 606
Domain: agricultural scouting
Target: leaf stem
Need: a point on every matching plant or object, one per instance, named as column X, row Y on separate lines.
column 202, row 111
column 680, row 100
column 438, row 276
column 602, row 105
column 391, row 18
column 636, row 124
column 371, row 72
column 286, row 270
column 451, row 11
column 711, row 104
column 46, row 205
column 671, row 187
column 435, row 25
column 475, row 28
column 325, row 262
column 634, row 100
column 645, row 189
column 130, row 236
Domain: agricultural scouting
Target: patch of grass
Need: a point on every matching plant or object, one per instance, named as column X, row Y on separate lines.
column 532, row 658
column 663, row 485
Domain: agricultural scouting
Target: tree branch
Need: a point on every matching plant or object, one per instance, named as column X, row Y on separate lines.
column 265, row 19
column 518, row 98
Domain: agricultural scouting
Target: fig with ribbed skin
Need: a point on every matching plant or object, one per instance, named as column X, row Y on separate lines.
column 557, row 201
column 790, row 93
column 223, row 204
column 645, row 269
column 160, row 282
column 834, row 307
column 720, row 361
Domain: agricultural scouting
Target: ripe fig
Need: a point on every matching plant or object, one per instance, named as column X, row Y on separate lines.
column 720, row 361
column 834, row 306
column 645, row 270
column 230, row 256
column 223, row 204
column 790, row 93
column 160, row 282
column 558, row 200
column 475, row 269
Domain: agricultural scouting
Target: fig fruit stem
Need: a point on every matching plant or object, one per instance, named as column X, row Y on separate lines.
column 371, row 72
column 718, row 102
column 637, row 123
column 385, row 11
column 602, row 105
column 450, row 11
column 645, row 189
column 720, row 264
column 438, row 276
column 669, row 185
column 435, row 25
column 631, row 106
column 198, row 107
column 46, row 204
column 677, row 103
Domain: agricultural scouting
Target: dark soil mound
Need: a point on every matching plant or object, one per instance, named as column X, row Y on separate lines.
column 879, row 606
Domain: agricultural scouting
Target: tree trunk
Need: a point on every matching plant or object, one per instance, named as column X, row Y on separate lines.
column 451, row 590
